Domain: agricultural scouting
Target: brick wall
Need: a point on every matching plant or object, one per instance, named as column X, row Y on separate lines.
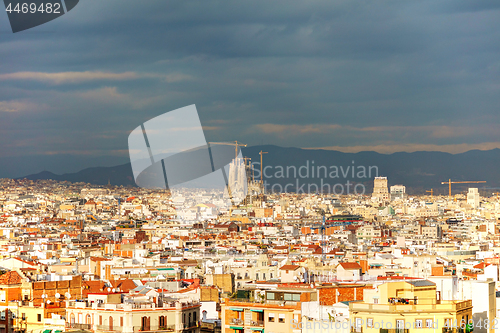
column 328, row 295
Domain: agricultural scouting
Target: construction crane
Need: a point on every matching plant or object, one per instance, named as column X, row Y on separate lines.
column 261, row 153
column 431, row 192
column 236, row 144
column 449, row 182
column 248, row 167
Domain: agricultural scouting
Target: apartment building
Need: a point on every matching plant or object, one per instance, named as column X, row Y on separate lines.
column 105, row 313
column 407, row 306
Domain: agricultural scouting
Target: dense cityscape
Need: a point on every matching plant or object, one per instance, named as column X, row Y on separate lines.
column 254, row 166
column 77, row 257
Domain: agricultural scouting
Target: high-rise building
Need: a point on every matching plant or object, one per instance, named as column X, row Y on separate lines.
column 398, row 192
column 380, row 190
column 473, row 197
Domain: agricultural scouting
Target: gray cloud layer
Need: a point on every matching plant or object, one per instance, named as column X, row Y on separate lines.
column 351, row 75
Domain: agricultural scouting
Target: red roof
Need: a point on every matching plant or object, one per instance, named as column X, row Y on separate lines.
column 481, row 265
column 10, row 278
column 289, row 267
column 124, row 285
column 350, row 265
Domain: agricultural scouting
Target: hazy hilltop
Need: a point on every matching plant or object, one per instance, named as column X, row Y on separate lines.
column 418, row 171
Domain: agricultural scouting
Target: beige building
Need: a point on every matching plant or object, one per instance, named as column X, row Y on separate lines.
column 380, row 190
column 175, row 316
column 240, row 317
column 408, row 306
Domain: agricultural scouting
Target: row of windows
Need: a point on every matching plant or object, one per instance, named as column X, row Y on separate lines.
column 238, row 276
column 283, row 296
column 23, row 316
column 281, row 318
column 270, row 317
column 400, row 323
column 162, row 320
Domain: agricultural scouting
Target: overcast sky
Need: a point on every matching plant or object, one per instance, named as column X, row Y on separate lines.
column 349, row 75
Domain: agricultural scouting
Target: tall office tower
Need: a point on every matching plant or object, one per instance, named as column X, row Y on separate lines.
column 473, row 197
column 398, row 192
column 380, row 190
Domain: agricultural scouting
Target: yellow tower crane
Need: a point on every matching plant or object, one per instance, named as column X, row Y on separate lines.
column 236, row 144
column 261, row 153
column 449, row 182
column 431, row 192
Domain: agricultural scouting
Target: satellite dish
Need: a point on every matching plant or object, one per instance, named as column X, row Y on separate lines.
column 109, row 289
column 114, row 290
column 48, row 302
column 67, row 295
column 58, row 295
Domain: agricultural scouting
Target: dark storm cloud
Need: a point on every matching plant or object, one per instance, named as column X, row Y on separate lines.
column 309, row 73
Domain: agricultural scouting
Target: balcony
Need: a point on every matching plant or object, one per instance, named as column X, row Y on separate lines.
column 106, row 328
column 189, row 325
column 443, row 306
column 236, row 321
column 166, row 328
column 257, row 323
column 79, row 326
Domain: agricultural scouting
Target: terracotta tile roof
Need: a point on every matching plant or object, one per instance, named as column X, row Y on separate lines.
column 91, row 287
column 481, row 265
column 289, row 267
column 350, row 265
column 124, row 285
column 10, row 278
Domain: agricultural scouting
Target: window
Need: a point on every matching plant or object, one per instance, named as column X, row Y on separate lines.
column 292, row 297
column 359, row 325
column 39, row 317
column 100, row 320
column 256, row 276
column 2, row 315
column 281, row 317
column 369, row 322
column 264, row 276
column 428, row 323
column 270, row 296
column 23, row 316
column 400, row 324
column 271, row 318
column 419, row 323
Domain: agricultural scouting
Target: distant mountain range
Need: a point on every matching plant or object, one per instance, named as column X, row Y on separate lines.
column 300, row 168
